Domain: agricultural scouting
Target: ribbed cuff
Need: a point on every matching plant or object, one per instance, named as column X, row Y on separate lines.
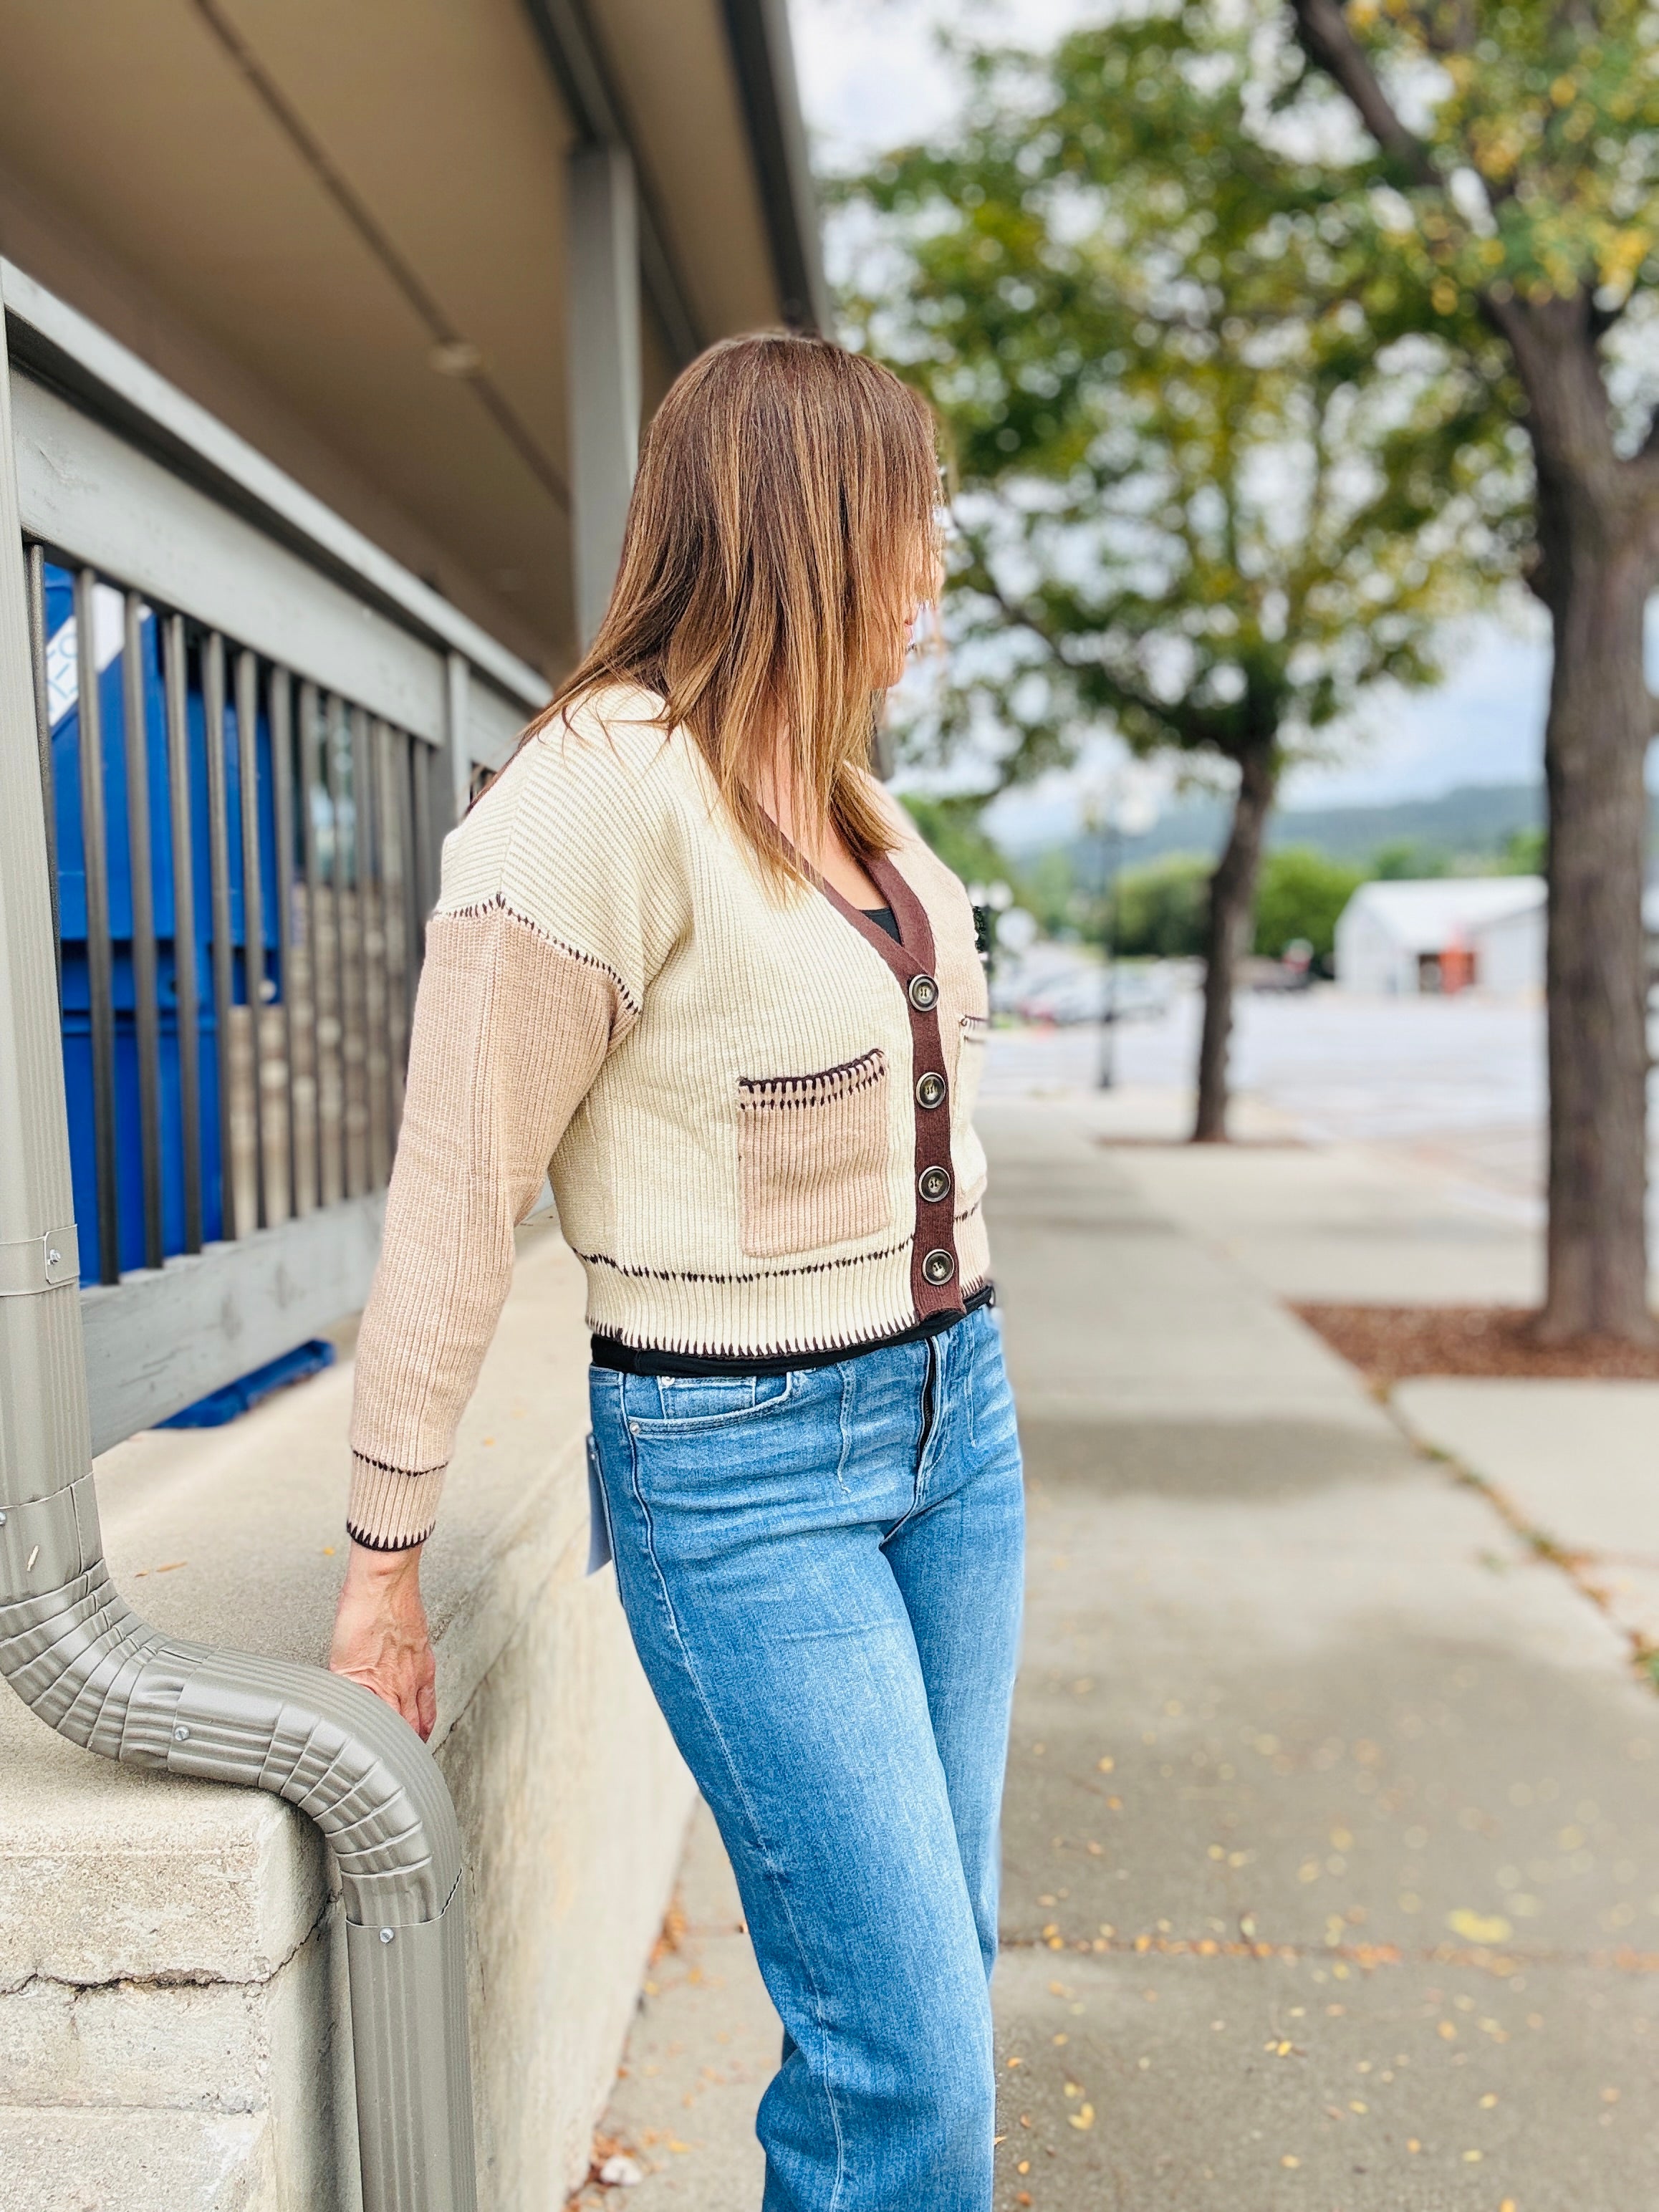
column 389, row 1510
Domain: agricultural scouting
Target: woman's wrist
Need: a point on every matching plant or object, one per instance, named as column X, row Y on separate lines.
column 368, row 1564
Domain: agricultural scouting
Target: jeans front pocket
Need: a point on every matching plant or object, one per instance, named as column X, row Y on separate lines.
column 684, row 1405
column 812, row 1156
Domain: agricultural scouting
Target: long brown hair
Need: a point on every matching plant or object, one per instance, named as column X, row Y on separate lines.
column 783, row 526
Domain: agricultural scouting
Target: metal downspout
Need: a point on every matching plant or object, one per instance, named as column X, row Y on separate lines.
column 77, row 1654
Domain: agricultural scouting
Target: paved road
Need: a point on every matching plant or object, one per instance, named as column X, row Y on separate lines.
column 1332, row 1822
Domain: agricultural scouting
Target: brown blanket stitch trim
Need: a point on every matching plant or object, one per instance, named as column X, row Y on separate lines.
column 496, row 903
column 830, row 1083
column 410, row 1473
column 387, row 1543
column 754, row 1275
column 871, row 1340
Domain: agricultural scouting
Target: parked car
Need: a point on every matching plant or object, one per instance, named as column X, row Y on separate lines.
column 1090, row 994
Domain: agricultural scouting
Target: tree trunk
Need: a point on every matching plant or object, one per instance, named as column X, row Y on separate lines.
column 1231, row 918
column 1595, row 743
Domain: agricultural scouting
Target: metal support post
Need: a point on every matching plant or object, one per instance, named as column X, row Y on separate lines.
column 459, row 737
column 89, row 1667
column 604, row 356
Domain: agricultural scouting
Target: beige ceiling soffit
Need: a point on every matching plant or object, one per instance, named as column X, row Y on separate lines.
column 758, row 31
column 442, row 332
column 567, row 39
column 57, row 342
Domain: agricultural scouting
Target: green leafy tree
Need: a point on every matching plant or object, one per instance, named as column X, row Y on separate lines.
column 951, row 826
column 1526, row 852
column 1206, row 498
column 1301, row 895
column 1161, row 909
column 1403, row 860
column 1513, row 154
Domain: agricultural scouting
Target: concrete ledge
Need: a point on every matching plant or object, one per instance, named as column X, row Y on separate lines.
column 172, row 2010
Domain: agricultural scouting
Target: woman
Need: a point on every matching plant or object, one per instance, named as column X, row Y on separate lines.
column 689, row 951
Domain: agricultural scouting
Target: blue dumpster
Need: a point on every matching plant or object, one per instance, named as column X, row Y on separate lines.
column 62, row 663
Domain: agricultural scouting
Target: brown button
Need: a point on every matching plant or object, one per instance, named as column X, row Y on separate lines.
column 930, row 1090
column 924, row 993
column 938, row 1267
column 934, row 1183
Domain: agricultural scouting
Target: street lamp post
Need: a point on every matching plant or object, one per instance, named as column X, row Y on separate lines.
column 1106, row 1075
column 1117, row 807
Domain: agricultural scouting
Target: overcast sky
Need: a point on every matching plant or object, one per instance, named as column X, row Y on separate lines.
column 871, row 77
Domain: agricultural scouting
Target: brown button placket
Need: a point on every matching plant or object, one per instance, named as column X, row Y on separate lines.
column 935, row 1274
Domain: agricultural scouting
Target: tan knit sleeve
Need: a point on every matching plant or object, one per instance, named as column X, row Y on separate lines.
column 511, row 1027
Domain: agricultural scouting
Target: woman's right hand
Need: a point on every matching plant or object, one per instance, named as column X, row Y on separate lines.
column 380, row 1637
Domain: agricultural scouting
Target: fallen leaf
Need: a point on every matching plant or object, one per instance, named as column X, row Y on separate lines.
column 1479, row 1927
column 1083, row 2118
column 1106, row 1765
column 1289, row 2160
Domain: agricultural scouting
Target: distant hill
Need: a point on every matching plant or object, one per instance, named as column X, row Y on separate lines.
column 1474, row 821
column 1475, row 818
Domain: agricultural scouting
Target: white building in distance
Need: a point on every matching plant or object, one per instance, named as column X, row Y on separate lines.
column 1443, row 935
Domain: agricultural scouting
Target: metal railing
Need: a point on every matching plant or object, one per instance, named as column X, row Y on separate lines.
column 241, row 861
column 224, row 768
column 281, row 723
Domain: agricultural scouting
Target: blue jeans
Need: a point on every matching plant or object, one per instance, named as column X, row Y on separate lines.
column 821, row 1572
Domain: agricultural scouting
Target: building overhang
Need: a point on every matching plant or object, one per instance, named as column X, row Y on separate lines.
column 344, row 232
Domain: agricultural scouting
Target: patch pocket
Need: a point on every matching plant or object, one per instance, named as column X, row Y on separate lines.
column 812, row 1156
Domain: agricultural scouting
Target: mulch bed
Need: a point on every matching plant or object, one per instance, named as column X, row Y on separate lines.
column 1390, row 1344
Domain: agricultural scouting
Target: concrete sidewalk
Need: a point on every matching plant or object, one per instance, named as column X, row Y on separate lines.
column 1333, row 1820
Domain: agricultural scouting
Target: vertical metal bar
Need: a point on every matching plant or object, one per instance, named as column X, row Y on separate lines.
column 224, row 972
column 410, row 763
column 425, row 760
column 175, row 674
column 291, row 1008
column 394, row 916
column 457, row 734
column 348, row 902
column 100, row 981
column 36, row 588
column 253, row 914
column 371, row 846
column 319, row 940
column 414, row 760
column 146, row 1015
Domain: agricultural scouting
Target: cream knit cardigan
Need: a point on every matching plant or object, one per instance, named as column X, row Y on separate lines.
column 732, row 1084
